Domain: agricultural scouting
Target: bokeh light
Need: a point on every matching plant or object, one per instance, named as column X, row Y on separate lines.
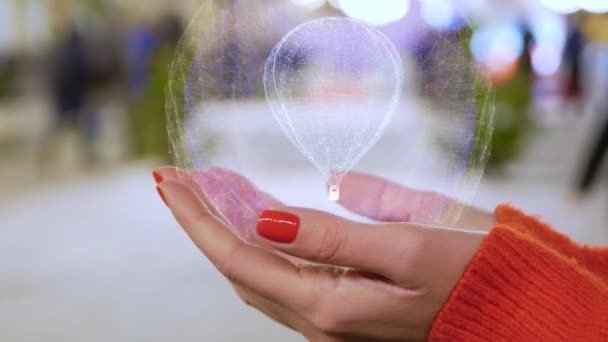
column 549, row 28
column 310, row 4
column 571, row 6
column 595, row 6
column 550, row 33
column 546, row 59
column 377, row 13
column 439, row 14
column 561, row 6
column 497, row 45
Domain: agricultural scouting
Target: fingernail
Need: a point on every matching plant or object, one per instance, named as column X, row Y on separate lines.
column 160, row 193
column 157, row 177
column 278, row 226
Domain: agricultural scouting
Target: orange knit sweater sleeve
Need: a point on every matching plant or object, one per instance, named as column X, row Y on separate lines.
column 528, row 283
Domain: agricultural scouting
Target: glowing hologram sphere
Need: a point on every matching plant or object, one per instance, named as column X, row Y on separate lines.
column 270, row 103
column 333, row 84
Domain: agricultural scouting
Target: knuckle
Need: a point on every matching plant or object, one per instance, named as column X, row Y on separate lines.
column 333, row 240
column 383, row 198
column 386, row 209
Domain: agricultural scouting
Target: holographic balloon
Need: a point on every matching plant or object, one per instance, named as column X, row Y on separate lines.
column 333, row 106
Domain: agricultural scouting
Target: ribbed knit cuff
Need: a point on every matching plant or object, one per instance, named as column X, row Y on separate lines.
column 518, row 289
column 595, row 259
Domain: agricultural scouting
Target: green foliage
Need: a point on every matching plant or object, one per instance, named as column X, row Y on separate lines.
column 505, row 132
column 8, row 76
column 484, row 125
column 511, row 120
column 148, row 123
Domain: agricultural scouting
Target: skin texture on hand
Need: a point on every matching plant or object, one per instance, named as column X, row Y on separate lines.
column 338, row 280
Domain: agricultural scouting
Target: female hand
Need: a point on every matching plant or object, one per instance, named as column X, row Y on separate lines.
column 391, row 279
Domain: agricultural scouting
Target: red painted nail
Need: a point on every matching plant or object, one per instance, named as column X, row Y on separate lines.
column 160, row 193
column 278, row 226
column 157, row 177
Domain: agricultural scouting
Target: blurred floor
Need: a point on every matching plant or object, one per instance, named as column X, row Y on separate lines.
column 95, row 256
column 100, row 259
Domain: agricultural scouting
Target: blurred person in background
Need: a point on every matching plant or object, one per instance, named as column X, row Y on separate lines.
column 106, row 74
column 141, row 43
column 70, row 74
column 598, row 149
column 573, row 61
column 596, row 32
column 87, row 74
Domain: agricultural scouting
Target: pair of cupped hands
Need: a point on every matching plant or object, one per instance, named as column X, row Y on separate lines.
column 328, row 278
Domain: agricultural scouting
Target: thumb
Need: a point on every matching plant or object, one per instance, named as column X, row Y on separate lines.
column 403, row 252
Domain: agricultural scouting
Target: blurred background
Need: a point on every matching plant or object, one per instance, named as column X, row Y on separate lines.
column 87, row 250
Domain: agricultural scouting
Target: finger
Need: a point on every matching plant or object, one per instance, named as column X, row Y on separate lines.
column 230, row 195
column 176, row 174
column 221, row 207
column 241, row 202
column 328, row 239
column 189, row 178
column 268, row 275
column 383, row 200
